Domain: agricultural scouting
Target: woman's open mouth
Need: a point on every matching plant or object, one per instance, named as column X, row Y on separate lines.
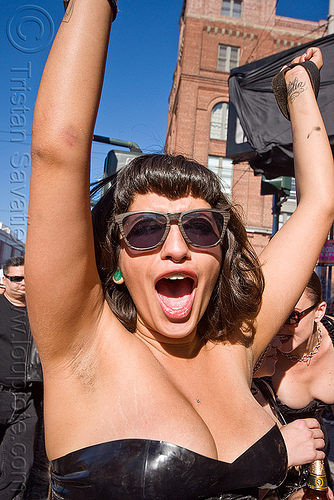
column 176, row 294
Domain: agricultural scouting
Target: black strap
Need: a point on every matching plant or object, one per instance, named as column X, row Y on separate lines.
column 328, row 323
column 268, row 393
column 279, row 85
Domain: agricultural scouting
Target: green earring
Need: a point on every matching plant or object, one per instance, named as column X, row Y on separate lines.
column 118, row 277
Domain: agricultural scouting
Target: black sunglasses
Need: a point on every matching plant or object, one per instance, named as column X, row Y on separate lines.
column 15, row 279
column 147, row 230
column 296, row 316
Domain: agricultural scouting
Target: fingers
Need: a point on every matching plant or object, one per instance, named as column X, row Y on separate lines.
column 319, row 443
column 304, row 440
column 312, row 54
column 316, row 433
column 320, row 455
column 307, row 423
column 330, row 495
column 311, row 423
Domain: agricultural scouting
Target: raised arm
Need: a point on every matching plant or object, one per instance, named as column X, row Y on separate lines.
column 63, row 287
column 291, row 255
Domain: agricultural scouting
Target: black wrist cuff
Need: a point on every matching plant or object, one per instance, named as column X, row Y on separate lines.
column 279, row 85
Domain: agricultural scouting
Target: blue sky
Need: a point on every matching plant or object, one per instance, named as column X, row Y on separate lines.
column 138, row 80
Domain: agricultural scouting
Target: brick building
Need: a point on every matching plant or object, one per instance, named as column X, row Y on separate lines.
column 215, row 37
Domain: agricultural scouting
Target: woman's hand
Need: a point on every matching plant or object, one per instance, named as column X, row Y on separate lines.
column 312, row 54
column 304, row 440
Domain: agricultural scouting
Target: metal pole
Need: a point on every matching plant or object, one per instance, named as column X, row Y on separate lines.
column 117, row 142
column 276, row 213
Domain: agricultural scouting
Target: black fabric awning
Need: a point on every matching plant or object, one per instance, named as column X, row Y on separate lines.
column 268, row 132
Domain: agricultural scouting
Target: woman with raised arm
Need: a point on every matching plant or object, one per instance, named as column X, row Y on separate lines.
column 148, row 339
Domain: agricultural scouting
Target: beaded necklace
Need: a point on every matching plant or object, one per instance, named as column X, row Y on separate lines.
column 306, row 357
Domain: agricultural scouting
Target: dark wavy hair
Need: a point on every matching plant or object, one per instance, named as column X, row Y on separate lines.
column 313, row 288
column 13, row 262
column 237, row 295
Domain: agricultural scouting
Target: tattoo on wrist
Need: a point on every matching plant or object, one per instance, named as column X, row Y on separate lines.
column 295, row 88
column 69, row 11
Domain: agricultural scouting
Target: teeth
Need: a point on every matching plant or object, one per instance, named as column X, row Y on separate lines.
column 175, row 277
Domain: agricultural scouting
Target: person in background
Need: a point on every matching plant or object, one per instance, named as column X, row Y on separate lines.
column 149, row 339
column 2, row 286
column 304, row 379
column 23, row 473
column 297, row 435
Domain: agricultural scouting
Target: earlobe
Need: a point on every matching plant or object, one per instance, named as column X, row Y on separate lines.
column 321, row 310
column 118, row 277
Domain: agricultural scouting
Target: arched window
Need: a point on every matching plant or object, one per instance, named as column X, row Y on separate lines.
column 219, row 120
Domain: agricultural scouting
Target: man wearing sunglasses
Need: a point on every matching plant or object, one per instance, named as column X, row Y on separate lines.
column 21, row 423
column 13, row 281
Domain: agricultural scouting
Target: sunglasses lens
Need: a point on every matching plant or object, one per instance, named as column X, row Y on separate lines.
column 144, row 230
column 15, row 279
column 296, row 316
column 203, row 229
column 293, row 319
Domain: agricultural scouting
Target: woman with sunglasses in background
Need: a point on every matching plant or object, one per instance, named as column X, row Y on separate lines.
column 149, row 339
column 304, row 377
column 296, row 433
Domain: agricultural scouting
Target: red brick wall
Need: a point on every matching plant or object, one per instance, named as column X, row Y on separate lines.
column 198, row 86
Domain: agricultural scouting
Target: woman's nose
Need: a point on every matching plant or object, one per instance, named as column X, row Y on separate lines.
column 175, row 247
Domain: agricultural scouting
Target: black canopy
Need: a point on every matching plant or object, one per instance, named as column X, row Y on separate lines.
column 269, row 147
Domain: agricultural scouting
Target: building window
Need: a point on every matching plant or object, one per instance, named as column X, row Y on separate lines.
column 219, row 121
column 231, row 8
column 223, row 167
column 293, row 192
column 228, row 58
column 240, row 136
column 289, row 206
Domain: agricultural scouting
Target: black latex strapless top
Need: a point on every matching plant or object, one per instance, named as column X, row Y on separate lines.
column 314, row 409
column 133, row 469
